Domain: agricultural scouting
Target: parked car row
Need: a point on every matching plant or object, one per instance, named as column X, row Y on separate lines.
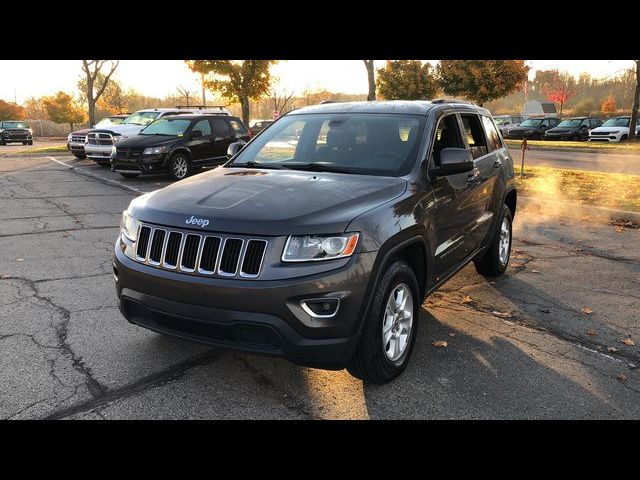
column 176, row 141
column 593, row 129
column 16, row 132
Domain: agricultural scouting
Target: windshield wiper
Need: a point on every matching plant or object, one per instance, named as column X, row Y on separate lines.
column 317, row 167
column 253, row 164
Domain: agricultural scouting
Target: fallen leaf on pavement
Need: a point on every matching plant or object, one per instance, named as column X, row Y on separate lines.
column 19, row 259
column 612, row 349
column 501, row 314
column 587, row 310
column 545, row 310
column 592, row 333
column 440, row 343
column 535, row 271
column 619, row 229
column 492, row 283
column 5, row 275
column 452, row 334
column 628, row 341
column 467, row 299
column 622, row 377
column 65, row 234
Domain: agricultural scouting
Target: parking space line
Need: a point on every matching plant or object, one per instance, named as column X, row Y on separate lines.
column 110, row 181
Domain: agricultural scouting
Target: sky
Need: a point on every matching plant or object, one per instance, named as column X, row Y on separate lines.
column 21, row 79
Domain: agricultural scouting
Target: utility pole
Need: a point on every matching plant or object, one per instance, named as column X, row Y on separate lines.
column 15, row 96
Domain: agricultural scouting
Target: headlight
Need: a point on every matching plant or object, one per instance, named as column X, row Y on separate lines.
column 154, row 150
column 30, row 131
column 117, row 138
column 129, row 226
column 314, row 248
column 69, row 138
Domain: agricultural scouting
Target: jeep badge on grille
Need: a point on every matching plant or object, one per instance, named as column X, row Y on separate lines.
column 201, row 222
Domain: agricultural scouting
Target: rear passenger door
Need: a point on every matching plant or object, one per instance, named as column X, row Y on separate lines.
column 484, row 143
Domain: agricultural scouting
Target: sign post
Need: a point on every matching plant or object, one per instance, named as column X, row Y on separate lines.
column 523, row 147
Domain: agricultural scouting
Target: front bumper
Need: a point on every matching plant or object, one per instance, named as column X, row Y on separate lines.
column 98, row 152
column 142, row 163
column 255, row 316
column 17, row 138
column 75, row 147
column 613, row 137
column 562, row 136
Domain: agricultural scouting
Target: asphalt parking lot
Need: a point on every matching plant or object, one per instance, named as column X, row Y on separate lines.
column 544, row 341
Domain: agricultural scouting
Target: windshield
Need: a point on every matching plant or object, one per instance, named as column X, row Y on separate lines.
column 14, row 125
column 141, row 118
column 368, row 144
column 617, row 122
column 570, row 123
column 167, row 126
column 500, row 121
column 531, row 123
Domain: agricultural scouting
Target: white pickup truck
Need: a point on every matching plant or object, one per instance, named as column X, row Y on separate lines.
column 99, row 142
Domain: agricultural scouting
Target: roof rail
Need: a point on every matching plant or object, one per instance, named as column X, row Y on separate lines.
column 450, row 100
column 200, row 107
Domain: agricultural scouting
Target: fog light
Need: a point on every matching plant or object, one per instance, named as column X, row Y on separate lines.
column 321, row 307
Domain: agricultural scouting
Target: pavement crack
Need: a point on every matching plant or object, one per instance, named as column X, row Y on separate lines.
column 151, row 381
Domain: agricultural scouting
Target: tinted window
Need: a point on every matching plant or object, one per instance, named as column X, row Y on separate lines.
column 220, row 127
column 493, row 138
column 238, row 127
column 474, row 135
column 14, row 125
column 447, row 135
column 204, row 127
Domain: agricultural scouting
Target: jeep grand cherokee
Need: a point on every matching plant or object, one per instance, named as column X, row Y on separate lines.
column 320, row 238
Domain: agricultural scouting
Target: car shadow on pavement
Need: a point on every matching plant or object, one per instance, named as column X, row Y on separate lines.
column 485, row 373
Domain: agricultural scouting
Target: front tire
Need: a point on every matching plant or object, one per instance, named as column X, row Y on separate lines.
column 130, row 175
column 179, row 166
column 79, row 156
column 496, row 259
column 390, row 327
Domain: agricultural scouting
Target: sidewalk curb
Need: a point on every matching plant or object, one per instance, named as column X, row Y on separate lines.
column 576, row 210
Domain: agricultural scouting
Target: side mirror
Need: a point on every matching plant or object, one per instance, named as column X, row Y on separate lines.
column 454, row 160
column 235, row 147
column 196, row 134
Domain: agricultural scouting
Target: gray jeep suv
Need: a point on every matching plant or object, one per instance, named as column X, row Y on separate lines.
column 320, row 238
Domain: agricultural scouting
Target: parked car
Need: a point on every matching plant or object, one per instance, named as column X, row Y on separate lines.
column 322, row 252
column 16, row 132
column 99, row 141
column 573, row 129
column 77, row 139
column 615, row 129
column 178, row 145
column 533, row 128
column 506, row 122
column 260, row 125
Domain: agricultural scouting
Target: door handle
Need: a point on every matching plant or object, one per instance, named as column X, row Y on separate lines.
column 497, row 163
column 473, row 176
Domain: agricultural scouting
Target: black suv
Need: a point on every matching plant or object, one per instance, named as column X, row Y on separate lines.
column 533, row 128
column 15, row 131
column 320, row 238
column 178, row 145
column 573, row 129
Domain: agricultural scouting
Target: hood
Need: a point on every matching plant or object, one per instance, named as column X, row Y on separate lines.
column 84, row 131
column 147, row 141
column 520, row 128
column 563, row 129
column 127, row 129
column 268, row 202
column 610, row 129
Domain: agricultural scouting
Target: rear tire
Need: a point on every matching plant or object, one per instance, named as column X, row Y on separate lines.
column 495, row 260
column 624, row 137
column 377, row 361
column 129, row 175
column 179, row 166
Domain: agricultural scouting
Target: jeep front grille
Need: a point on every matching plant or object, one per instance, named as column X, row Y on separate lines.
column 99, row 138
column 200, row 254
